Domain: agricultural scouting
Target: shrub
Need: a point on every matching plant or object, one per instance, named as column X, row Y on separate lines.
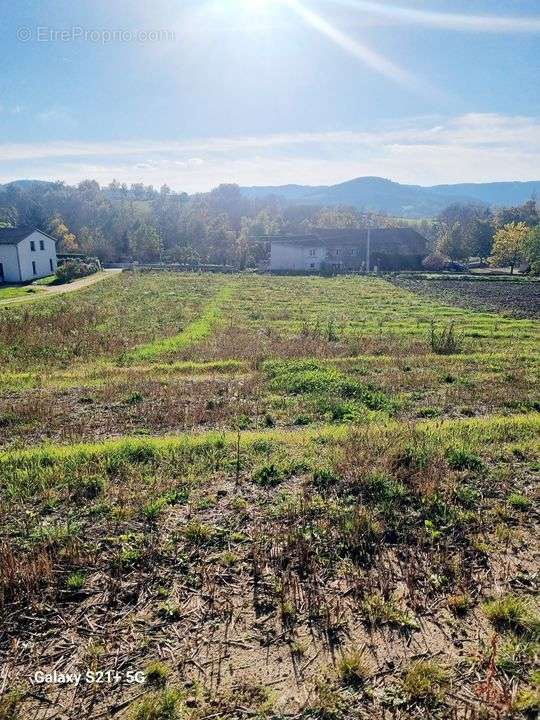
column 73, row 269
column 435, row 262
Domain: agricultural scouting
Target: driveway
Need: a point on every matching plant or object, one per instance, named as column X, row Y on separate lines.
column 48, row 291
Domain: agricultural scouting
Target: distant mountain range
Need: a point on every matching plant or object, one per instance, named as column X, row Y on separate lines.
column 413, row 201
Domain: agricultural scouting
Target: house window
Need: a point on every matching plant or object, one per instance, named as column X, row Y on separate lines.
column 34, row 272
column 312, row 265
column 41, row 245
column 312, row 253
column 336, row 251
column 51, row 264
column 32, row 246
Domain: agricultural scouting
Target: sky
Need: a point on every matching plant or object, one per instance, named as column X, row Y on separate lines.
column 194, row 93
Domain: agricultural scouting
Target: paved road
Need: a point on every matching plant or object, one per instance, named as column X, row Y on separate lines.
column 48, row 291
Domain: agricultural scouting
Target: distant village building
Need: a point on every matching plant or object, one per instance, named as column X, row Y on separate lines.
column 26, row 254
column 348, row 251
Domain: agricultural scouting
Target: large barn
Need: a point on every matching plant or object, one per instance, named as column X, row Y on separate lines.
column 348, row 251
column 26, row 254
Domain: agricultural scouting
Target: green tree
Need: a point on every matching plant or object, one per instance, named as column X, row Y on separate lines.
column 509, row 245
column 531, row 249
column 479, row 240
column 451, row 242
column 144, row 242
column 527, row 213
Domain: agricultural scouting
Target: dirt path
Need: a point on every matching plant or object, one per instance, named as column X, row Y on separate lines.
column 61, row 289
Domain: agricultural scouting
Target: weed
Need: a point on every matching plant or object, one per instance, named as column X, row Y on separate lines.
column 151, row 511
column 92, row 487
column 10, row 705
column 426, row 682
column 163, row 705
column 75, row 581
column 446, row 341
column 518, row 502
column 354, row 668
column 268, row 476
column 379, row 611
column 462, row 459
column 198, row 533
column 169, row 611
column 156, row 673
column 513, row 612
column 459, row 604
column 324, row 480
column 515, row 655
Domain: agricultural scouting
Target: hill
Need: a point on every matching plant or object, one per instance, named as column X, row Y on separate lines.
column 380, row 195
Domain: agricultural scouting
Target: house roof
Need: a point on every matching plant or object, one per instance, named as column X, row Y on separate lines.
column 381, row 238
column 13, row 236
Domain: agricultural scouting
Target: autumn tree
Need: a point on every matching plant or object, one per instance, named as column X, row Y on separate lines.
column 59, row 230
column 509, row 245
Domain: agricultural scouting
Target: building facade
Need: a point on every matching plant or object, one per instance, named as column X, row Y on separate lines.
column 26, row 254
column 348, row 251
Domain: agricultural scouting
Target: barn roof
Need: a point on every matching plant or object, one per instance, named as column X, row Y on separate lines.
column 13, row 236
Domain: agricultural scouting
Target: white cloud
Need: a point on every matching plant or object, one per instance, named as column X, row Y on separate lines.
column 446, row 21
column 470, row 148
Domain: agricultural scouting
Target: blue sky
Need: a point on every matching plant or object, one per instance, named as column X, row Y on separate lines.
column 269, row 91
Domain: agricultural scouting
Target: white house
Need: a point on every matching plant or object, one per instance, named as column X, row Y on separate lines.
column 26, row 254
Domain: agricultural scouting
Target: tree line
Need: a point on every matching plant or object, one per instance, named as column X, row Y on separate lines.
column 141, row 223
column 503, row 237
column 222, row 227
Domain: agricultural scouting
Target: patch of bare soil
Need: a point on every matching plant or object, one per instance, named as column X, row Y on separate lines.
column 240, row 587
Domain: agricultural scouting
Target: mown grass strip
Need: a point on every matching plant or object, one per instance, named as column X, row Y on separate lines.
column 496, row 429
column 193, row 333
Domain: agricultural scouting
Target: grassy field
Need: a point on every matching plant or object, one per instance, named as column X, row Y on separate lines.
column 273, row 497
column 16, row 291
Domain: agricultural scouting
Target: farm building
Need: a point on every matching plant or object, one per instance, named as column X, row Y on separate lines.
column 26, row 254
column 348, row 250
